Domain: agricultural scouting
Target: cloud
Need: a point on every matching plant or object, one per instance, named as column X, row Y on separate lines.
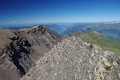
column 15, row 21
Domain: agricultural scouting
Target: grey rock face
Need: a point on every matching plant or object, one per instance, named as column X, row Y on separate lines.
column 75, row 59
column 22, row 49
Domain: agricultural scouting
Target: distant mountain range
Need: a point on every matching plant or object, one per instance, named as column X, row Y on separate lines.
column 109, row 29
column 111, row 22
column 54, row 27
column 16, row 27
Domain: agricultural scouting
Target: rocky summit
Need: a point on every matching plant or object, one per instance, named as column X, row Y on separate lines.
column 76, row 59
column 19, row 50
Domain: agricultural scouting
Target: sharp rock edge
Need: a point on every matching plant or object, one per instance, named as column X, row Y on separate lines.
column 75, row 59
column 19, row 50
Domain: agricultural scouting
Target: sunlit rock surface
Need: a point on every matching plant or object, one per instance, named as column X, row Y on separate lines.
column 75, row 59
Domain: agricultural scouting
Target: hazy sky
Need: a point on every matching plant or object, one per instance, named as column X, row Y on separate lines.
column 50, row 11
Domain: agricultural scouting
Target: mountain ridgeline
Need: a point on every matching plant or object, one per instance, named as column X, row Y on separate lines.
column 76, row 59
column 19, row 50
column 104, row 42
column 109, row 29
column 37, row 53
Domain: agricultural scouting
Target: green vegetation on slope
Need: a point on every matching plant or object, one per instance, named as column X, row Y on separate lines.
column 106, row 43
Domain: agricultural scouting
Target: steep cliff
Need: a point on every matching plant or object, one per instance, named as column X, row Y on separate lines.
column 19, row 50
column 76, row 59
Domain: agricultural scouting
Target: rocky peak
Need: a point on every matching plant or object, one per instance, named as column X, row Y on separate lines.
column 38, row 29
column 75, row 59
column 22, row 48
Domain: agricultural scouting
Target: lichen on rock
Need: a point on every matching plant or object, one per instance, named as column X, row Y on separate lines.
column 75, row 59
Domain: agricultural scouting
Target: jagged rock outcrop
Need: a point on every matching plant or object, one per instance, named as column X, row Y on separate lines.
column 75, row 59
column 19, row 50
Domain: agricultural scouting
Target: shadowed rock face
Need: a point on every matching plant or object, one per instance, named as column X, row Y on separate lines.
column 19, row 50
column 75, row 59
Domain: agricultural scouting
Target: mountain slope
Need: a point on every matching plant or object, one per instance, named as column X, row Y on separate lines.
column 106, row 43
column 111, row 30
column 56, row 28
column 77, row 28
column 75, row 59
column 19, row 50
column 95, row 37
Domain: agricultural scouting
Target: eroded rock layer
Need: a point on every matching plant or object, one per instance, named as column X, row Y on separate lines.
column 75, row 59
column 19, row 50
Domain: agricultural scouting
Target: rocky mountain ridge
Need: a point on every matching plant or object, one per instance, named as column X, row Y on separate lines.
column 76, row 59
column 19, row 50
column 72, row 58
